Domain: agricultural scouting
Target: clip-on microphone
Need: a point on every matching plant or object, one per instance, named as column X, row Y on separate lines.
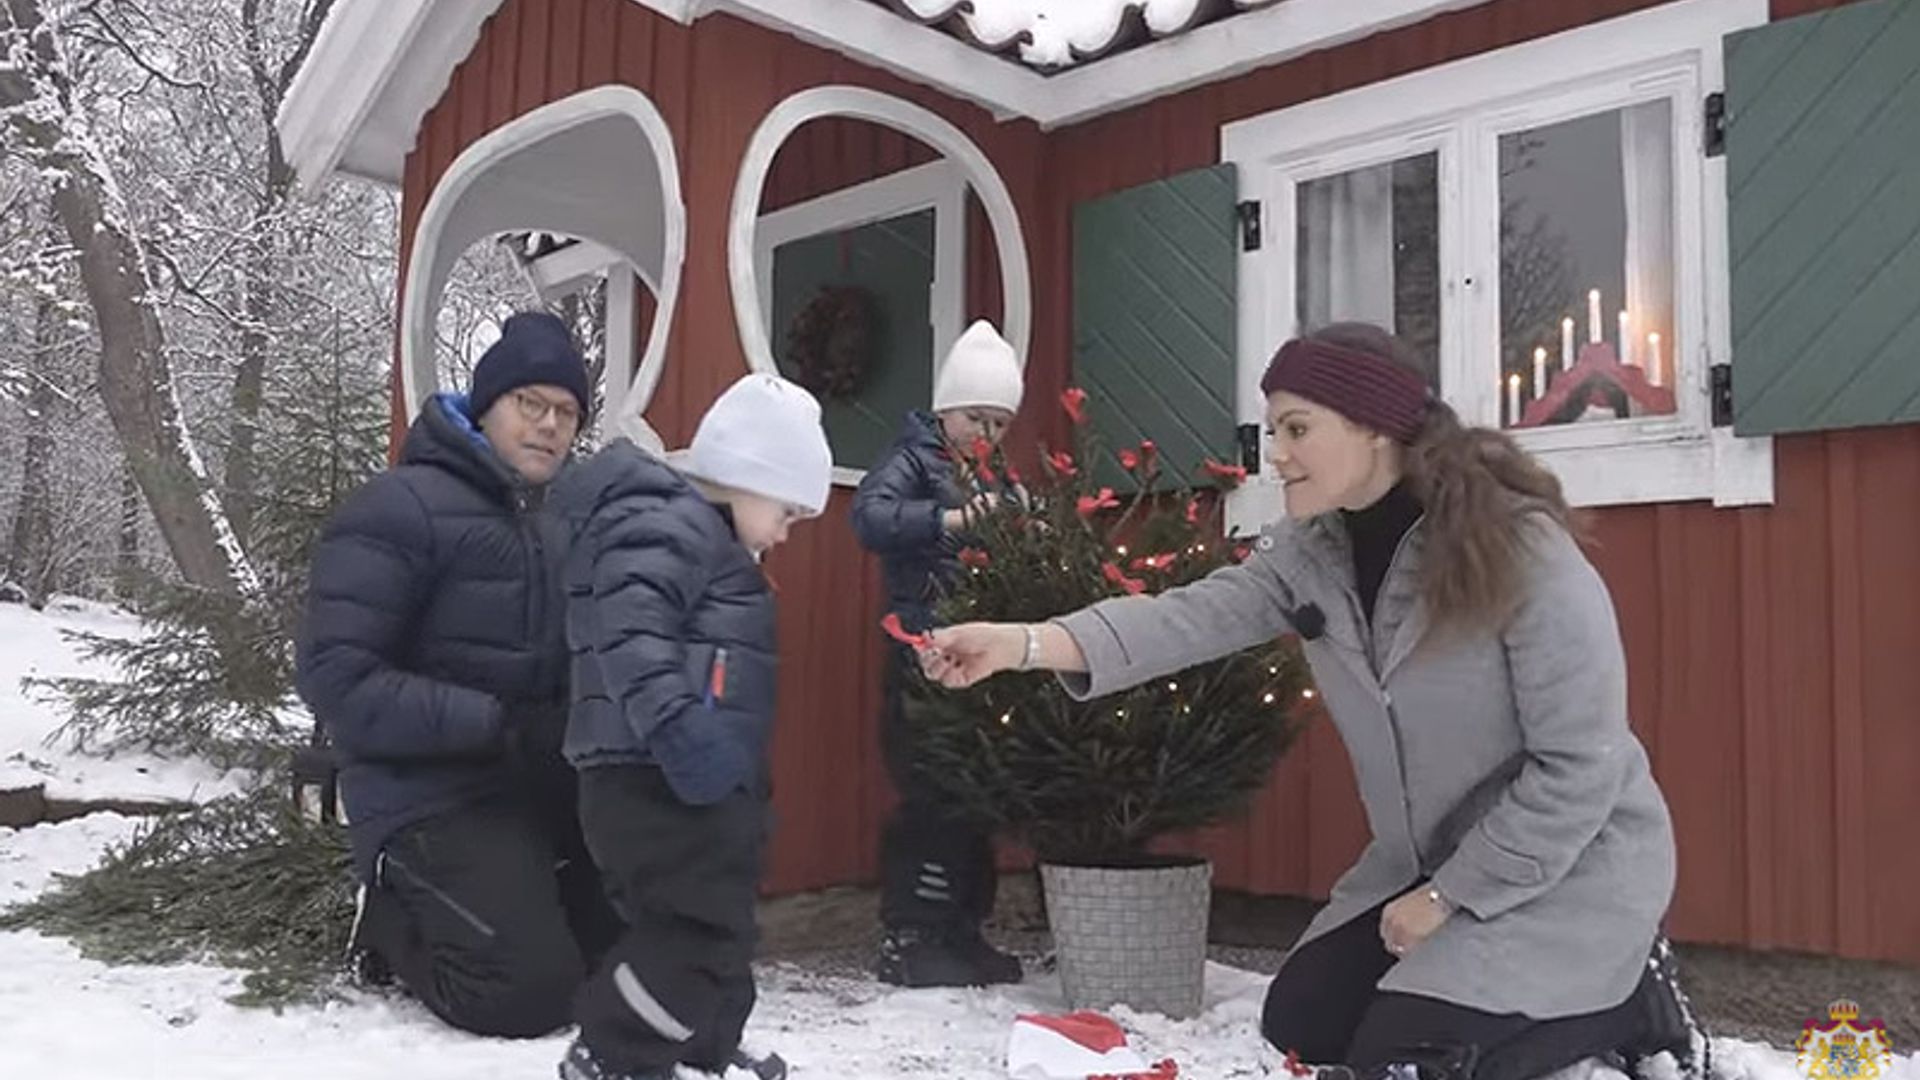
column 1307, row 619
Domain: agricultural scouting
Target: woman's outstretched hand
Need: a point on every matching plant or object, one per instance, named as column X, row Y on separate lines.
column 963, row 655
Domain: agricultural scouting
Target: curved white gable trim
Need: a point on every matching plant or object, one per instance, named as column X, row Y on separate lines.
column 418, row 376
column 1016, row 282
column 379, row 65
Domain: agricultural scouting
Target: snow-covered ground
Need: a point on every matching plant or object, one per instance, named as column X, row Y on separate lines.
column 67, row 1017
column 31, row 646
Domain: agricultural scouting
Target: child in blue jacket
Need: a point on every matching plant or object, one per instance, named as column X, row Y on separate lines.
column 937, row 873
column 671, row 627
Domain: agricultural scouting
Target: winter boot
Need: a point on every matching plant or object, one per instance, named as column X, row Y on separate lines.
column 761, row 1066
column 1427, row 1062
column 364, row 962
column 919, row 957
column 580, row 1064
column 991, row 966
column 1668, row 1020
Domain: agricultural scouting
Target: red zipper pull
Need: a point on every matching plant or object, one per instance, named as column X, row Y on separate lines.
column 717, row 684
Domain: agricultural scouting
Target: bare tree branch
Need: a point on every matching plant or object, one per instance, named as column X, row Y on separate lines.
column 111, row 37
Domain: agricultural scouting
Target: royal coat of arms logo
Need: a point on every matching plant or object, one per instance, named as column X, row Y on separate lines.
column 1845, row 1047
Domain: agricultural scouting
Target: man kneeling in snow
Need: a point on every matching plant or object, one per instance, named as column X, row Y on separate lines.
column 434, row 655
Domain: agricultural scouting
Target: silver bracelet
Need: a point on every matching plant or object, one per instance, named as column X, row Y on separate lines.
column 1439, row 899
column 1032, row 651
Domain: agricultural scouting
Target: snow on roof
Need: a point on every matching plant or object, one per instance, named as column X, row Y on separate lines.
column 378, row 66
column 1054, row 34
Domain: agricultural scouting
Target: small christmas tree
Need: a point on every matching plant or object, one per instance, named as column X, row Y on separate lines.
column 1094, row 783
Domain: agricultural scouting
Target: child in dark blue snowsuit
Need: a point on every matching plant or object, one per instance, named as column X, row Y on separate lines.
column 671, row 626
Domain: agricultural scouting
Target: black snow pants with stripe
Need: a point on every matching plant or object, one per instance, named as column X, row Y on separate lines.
column 678, row 985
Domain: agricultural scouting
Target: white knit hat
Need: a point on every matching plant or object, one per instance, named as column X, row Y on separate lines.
column 980, row 369
column 763, row 436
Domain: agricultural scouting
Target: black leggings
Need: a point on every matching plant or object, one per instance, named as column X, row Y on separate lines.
column 1326, row 1006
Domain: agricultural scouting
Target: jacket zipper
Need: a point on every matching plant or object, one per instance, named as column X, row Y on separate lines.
column 1386, row 698
column 537, row 590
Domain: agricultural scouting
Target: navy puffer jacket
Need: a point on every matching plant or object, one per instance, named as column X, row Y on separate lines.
column 434, row 650
column 897, row 515
column 671, row 626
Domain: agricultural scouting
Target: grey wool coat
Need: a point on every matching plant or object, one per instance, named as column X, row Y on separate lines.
column 1496, row 764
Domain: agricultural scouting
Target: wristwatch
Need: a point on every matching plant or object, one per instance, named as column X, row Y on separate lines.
column 1439, row 900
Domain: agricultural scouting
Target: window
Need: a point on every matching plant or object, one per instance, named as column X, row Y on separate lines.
column 1542, row 225
column 1367, row 248
column 1586, row 230
column 897, row 244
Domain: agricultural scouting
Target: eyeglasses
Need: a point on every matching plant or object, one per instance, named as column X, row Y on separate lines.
column 534, row 408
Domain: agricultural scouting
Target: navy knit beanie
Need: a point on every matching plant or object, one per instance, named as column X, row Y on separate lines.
column 534, row 347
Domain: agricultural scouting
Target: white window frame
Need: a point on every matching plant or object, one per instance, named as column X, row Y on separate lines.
column 938, row 186
column 1461, row 110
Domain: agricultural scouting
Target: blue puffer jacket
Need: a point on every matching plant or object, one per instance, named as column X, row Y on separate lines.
column 897, row 515
column 434, row 651
column 671, row 626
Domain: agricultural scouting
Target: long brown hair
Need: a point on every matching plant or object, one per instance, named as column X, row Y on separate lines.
column 1476, row 485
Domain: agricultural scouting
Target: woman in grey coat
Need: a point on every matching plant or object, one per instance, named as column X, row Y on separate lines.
column 1504, row 920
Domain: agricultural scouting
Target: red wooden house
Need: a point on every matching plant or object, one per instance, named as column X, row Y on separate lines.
column 1149, row 195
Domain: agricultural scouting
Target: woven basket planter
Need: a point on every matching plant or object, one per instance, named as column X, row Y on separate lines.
column 1135, row 936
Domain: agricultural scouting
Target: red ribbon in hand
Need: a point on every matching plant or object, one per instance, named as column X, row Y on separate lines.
column 891, row 624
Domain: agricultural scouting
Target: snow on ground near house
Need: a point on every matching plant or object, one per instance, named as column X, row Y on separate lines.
column 31, row 645
column 80, row 1020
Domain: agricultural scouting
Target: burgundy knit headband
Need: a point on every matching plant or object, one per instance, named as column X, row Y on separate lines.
column 1364, row 388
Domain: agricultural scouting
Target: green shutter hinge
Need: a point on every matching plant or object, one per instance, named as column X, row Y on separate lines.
column 1716, row 124
column 1249, row 213
column 1720, row 390
column 1248, row 436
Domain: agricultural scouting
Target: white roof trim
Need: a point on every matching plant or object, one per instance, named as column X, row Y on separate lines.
column 379, row 65
column 375, row 69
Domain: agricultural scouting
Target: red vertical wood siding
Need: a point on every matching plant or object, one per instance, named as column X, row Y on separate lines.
column 1768, row 648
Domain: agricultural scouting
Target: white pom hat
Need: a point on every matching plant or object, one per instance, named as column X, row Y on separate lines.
column 980, row 369
column 764, row 437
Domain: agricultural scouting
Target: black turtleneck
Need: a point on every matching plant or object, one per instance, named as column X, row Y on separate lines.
column 1375, row 533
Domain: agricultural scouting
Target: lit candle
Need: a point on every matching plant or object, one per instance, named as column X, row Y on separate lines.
column 1566, row 343
column 1513, row 400
column 1593, row 317
column 1626, row 339
column 1654, row 374
column 1539, row 374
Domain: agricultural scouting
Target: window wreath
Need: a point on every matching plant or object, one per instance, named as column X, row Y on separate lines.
column 830, row 343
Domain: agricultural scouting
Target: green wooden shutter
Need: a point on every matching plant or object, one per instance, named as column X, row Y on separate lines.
column 1823, row 184
column 1154, row 279
column 893, row 261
